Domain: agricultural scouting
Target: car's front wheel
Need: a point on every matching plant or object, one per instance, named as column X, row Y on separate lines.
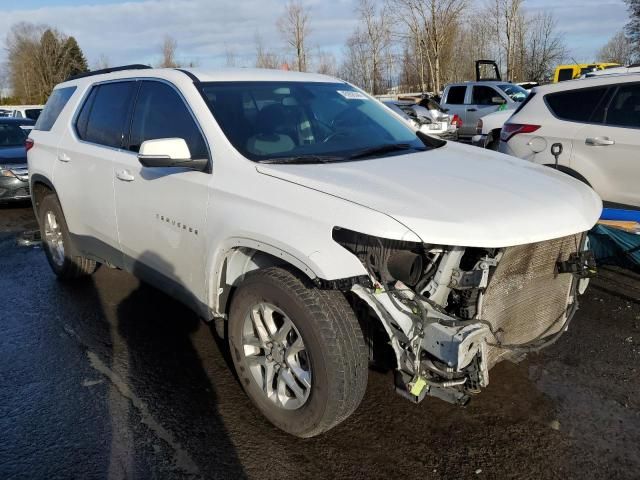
column 298, row 351
column 57, row 242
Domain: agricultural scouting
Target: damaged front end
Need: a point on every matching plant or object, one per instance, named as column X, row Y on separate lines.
column 452, row 313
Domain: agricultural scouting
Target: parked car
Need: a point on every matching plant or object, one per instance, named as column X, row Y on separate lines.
column 437, row 123
column 569, row 72
column 635, row 68
column 596, row 121
column 30, row 112
column 528, row 85
column 14, row 177
column 488, row 129
column 473, row 100
column 290, row 207
column 410, row 119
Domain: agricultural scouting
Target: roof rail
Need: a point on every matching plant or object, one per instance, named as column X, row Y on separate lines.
column 135, row 66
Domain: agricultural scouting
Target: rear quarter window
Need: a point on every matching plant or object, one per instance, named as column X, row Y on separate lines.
column 576, row 105
column 52, row 109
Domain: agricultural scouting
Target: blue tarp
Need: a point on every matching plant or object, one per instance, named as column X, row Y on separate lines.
column 617, row 214
column 613, row 246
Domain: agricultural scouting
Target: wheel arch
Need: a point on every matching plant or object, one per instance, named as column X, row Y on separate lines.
column 40, row 187
column 240, row 257
column 571, row 172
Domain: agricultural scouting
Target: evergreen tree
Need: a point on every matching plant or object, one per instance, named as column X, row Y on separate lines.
column 633, row 27
column 75, row 62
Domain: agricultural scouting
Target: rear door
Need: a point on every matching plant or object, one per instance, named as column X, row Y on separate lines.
column 84, row 171
column 609, row 146
column 161, row 212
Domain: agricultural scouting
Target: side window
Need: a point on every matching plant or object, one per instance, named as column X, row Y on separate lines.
column 624, row 109
column 483, row 95
column 83, row 118
column 160, row 112
column 575, row 105
column 456, row 95
column 104, row 114
column 33, row 113
column 57, row 100
column 565, row 74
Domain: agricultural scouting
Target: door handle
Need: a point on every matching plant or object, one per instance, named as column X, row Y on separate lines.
column 599, row 141
column 472, row 109
column 63, row 157
column 125, row 176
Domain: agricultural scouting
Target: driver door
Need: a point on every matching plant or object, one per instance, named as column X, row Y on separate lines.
column 161, row 212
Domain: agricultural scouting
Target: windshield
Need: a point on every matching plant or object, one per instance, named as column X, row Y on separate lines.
column 11, row 135
column 515, row 92
column 270, row 120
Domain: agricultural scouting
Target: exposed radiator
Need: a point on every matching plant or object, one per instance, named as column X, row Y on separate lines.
column 526, row 298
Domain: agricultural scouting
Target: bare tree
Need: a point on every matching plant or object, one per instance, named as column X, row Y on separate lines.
column 264, row 57
column 326, row 64
column 545, row 47
column 294, row 27
column 168, row 51
column 617, row 50
column 374, row 37
column 102, row 62
column 231, row 59
column 356, row 61
column 432, row 25
column 509, row 29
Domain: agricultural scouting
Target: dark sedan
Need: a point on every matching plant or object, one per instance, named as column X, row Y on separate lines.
column 14, row 175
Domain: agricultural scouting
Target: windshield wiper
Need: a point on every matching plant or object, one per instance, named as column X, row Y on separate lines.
column 302, row 159
column 380, row 149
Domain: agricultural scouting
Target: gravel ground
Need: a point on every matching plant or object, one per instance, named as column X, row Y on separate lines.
column 112, row 379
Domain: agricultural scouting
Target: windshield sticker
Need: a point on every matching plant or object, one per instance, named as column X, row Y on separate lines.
column 352, row 95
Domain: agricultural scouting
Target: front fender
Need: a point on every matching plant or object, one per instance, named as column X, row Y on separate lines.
column 239, row 255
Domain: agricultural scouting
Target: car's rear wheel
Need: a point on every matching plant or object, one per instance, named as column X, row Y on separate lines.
column 57, row 242
column 494, row 143
column 298, row 351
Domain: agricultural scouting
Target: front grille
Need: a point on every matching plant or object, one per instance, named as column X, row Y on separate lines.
column 526, row 298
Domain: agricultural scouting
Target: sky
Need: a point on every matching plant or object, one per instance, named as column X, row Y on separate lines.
column 132, row 31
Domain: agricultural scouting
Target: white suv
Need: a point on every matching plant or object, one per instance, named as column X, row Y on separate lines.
column 596, row 121
column 315, row 227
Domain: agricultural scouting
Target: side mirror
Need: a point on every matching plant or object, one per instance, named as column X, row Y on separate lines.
column 168, row 152
column 498, row 100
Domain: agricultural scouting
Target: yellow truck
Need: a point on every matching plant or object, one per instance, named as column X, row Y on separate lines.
column 569, row 72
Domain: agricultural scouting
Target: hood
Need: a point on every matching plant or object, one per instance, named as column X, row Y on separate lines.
column 13, row 155
column 458, row 195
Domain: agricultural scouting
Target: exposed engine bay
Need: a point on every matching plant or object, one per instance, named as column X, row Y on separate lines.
column 452, row 313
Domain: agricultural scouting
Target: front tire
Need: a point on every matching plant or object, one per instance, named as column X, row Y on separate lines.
column 298, row 351
column 57, row 242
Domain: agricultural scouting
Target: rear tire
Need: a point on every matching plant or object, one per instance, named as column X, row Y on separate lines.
column 57, row 242
column 328, row 368
column 494, row 144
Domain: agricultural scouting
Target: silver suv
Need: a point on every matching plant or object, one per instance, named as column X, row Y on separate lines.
column 473, row 100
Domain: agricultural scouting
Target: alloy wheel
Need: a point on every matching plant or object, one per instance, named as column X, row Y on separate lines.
column 276, row 356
